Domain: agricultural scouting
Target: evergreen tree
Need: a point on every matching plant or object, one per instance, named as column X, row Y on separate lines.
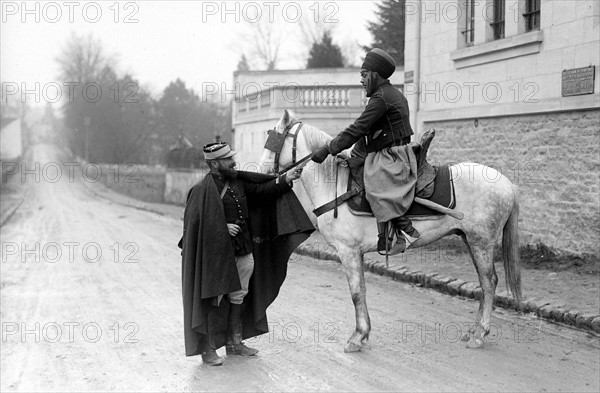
column 388, row 30
column 243, row 64
column 325, row 54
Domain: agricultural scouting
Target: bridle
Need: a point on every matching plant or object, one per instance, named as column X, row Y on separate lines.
column 275, row 143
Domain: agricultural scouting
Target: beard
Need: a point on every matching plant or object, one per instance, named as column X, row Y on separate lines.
column 229, row 173
column 372, row 83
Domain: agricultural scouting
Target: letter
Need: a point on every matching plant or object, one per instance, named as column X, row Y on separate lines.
column 208, row 92
column 208, row 8
column 235, row 11
column 9, row 249
column 57, row 11
column 98, row 252
column 8, row 92
column 35, row 331
column 58, row 171
column 25, row 92
column 71, row 86
column 408, row 329
column 9, row 169
column 57, row 96
column 9, row 8
column 6, row 331
column 258, row 12
column 97, row 336
column 35, row 12
column 58, row 332
column 25, row 252
column 425, row 92
column 57, row 254
column 85, row 12
column 71, row 6
column 298, row 334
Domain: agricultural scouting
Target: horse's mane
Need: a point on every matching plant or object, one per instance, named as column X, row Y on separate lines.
column 315, row 138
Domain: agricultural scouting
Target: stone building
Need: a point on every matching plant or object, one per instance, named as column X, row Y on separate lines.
column 512, row 84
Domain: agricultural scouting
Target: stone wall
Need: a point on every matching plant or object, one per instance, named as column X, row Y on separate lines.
column 179, row 181
column 141, row 182
column 554, row 159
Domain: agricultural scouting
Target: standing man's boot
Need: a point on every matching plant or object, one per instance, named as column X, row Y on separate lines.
column 234, row 337
column 406, row 234
column 211, row 358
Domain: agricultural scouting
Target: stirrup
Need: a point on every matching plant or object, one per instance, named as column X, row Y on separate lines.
column 403, row 242
column 382, row 244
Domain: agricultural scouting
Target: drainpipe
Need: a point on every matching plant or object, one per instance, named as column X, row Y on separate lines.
column 417, row 75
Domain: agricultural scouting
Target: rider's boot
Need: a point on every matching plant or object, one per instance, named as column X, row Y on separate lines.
column 234, row 329
column 382, row 228
column 406, row 234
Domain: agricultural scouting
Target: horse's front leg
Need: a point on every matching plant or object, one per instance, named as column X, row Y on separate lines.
column 352, row 263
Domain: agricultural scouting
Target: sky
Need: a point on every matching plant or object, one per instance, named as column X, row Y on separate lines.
column 199, row 42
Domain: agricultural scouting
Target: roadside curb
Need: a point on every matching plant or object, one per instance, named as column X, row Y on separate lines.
column 455, row 287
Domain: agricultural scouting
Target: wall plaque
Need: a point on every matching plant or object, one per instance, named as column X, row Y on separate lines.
column 409, row 77
column 578, row 81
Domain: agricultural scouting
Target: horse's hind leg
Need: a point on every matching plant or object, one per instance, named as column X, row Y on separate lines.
column 483, row 259
column 352, row 264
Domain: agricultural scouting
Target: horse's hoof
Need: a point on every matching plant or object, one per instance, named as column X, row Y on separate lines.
column 351, row 347
column 476, row 343
column 465, row 337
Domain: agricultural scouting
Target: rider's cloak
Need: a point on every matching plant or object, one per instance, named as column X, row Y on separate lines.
column 278, row 226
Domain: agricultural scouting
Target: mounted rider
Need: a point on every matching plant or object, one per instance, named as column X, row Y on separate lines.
column 383, row 130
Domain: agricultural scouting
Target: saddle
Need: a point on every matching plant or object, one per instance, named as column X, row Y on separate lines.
column 433, row 183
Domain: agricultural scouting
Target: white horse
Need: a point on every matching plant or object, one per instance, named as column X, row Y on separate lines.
column 487, row 198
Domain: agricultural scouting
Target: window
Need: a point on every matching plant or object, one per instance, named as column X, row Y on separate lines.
column 532, row 15
column 469, row 32
column 498, row 22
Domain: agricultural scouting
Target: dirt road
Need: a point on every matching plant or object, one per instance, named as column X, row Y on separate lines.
column 100, row 309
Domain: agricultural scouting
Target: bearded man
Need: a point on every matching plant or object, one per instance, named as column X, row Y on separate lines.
column 384, row 130
column 239, row 231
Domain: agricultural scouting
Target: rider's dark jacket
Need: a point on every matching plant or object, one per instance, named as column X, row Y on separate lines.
column 384, row 122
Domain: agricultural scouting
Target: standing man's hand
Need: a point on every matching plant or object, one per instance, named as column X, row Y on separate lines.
column 234, row 229
column 290, row 176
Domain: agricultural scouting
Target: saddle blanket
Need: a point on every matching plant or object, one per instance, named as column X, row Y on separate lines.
column 443, row 194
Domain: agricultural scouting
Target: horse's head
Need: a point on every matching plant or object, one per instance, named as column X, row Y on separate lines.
column 278, row 146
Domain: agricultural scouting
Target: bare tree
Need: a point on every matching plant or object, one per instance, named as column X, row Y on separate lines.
column 82, row 59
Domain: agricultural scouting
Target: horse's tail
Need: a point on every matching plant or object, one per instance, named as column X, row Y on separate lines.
column 510, row 251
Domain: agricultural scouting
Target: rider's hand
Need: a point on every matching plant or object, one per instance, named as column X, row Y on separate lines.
column 320, row 155
column 293, row 175
column 234, row 229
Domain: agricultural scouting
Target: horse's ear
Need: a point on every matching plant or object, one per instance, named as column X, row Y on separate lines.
column 285, row 119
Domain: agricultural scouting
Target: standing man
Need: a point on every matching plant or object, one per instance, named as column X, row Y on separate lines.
column 239, row 231
column 390, row 166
